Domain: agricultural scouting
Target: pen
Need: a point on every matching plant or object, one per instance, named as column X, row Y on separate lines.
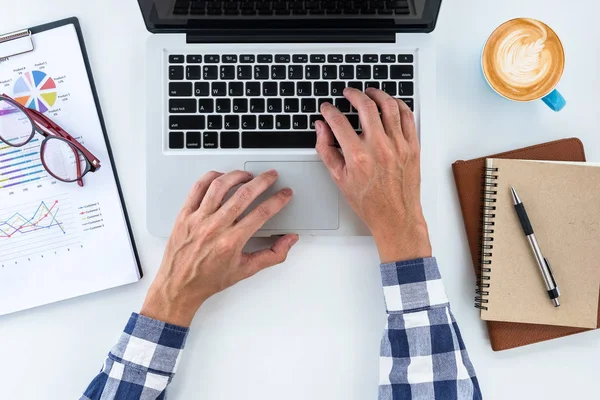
column 542, row 262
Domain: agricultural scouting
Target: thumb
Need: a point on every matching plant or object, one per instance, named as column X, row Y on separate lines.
column 262, row 259
column 331, row 156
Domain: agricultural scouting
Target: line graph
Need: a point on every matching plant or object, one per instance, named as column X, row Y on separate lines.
column 36, row 227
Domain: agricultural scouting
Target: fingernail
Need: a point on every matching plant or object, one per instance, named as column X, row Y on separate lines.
column 318, row 127
column 287, row 192
column 294, row 241
column 250, row 174
column 272, row 172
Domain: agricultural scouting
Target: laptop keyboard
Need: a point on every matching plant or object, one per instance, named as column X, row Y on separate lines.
column 271, row 101
column 283, row 7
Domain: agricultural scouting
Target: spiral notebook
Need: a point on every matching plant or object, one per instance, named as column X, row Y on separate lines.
column 562, row 202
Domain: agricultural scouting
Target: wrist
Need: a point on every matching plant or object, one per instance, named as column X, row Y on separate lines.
column 407, row 241
column 158, row 305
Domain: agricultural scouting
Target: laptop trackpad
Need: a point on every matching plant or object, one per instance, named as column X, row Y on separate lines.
column 315, row 201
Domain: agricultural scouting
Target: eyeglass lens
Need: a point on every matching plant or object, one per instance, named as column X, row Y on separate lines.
column 15, row 127
column 61, row 160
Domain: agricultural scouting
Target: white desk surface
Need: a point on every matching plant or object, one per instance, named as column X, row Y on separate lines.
column 310, row 329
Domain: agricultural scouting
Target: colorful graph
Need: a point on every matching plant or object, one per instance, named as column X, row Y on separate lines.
column 21, row 165
column 36, row 90
column 37, row 227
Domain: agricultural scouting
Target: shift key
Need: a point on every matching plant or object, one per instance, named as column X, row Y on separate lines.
column 183, row 106
column 186, row 122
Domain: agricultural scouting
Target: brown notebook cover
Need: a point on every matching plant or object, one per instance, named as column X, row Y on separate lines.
column 468, row 176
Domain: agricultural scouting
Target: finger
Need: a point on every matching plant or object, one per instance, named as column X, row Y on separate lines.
column 333, row 160
column 277, row 254
column 390, row 110
column 266, row 210
column 367, row 111
column 340, row 126
column 218, row 189
column 409, row 129
column 194, row 198
column 246, row 194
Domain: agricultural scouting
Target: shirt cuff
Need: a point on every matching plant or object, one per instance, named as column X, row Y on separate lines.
column 150, row 345
column 413, row 285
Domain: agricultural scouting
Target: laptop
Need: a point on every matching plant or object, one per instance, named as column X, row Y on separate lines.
column 237, row 84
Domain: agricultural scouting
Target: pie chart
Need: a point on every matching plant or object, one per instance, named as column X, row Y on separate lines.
column 35, row 90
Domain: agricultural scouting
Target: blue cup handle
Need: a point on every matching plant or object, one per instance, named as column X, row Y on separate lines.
column 555, row 101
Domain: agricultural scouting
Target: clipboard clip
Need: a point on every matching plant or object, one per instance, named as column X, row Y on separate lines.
column 15, row 43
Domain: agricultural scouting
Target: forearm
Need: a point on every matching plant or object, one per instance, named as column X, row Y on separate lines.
column 142, row 363
column 423, row 355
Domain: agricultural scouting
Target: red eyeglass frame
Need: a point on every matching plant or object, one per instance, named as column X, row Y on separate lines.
column 46, row 127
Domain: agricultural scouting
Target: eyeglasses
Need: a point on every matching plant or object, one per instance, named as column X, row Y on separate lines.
column 62, row 156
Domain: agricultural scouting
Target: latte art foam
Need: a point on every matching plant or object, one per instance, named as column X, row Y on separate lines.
column 523, row 59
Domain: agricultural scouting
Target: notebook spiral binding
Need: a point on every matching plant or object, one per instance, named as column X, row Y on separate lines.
column 488, row 216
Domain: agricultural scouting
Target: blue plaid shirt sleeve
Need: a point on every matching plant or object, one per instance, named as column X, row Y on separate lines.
column 423, row 355
column 141, row 364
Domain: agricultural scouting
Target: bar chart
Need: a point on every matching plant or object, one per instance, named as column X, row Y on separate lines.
column 21, row 165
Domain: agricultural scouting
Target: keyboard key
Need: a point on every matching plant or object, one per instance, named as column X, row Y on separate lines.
column 329, row 72
column 342, row 104
column 337, row 88
column 335, row 58
column 206, row 106
column 202, row 89
column 240, row 105
column 265, row 122
column 278, row 72
column 257, row 105
column 401, row 72
column 315, row 118
column 176, row 59
column 249, row 121
column 175, row 72
column 232, row 122
column 370, row 58
column 193, row 72
column 274, row 105
column 236, row 89
column 287, row 89
column 223, row 105
column 211, row 140
column 321, row 101
column 389, row 88
column 363, row 72
column 372, row 84
column 353, row 119
column 269, row 89
column 176, row 140
column 261, row 72
column 278, row 139
column 211, row 59
column 346, row 72
column 244, row 72
column 182, row 106
column 282, row 58
column 228, row 72
column 194, row 59
column 265, row 58
column 210, row 72
column 291, row 105
column 405, row 58
column 317, row 58
column 218, row 89
column 230, row 140
column 410, row 103
column 295, row 72
column 321, row 89
column 186, row 122
column 352, row 58
column 247, row 58
column 308, row 106
column 380, row 72
column 180, row 89
column 300, row 58
column 252, row 88
column 304, row 89
column 406, row 88
column 388, row 58
column 356, row 85
column 230, row 59
column 300, row 122
column 192, row 140
column 282, row 122
column 313, row 72
column 214, row 122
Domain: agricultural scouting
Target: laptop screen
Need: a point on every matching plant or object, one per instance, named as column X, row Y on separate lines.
column 172, row 16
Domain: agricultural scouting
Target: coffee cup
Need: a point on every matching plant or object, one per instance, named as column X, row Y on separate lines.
column 523, row 60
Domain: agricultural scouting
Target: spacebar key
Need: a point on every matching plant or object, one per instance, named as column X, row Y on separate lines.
column 279, row 139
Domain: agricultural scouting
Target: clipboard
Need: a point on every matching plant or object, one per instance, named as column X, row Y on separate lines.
column 19, row 43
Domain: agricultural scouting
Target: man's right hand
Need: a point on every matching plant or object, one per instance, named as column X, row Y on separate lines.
column 379, row 171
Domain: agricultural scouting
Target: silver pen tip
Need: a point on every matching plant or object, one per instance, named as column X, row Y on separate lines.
column 515, row 196
column 556, row 302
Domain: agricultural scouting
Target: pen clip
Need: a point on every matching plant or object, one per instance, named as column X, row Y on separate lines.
column 551, row 273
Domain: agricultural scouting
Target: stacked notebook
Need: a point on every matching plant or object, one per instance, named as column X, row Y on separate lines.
column 563, row 202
